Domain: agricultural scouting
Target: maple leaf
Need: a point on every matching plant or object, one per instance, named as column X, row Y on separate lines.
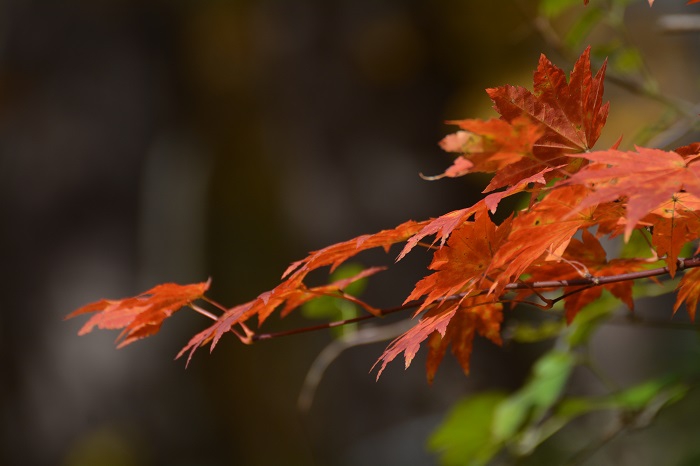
column 571, row 113
column 582, row 258
column 488, row 146
column 543, row 231
column 335, row 289
column 292, row 292
column 478, row 314
column 461, row 264
column 647, row 178
column 441, row 227
column 688, row 292
column 142, row 315
column 674, row 223
column 336, row 254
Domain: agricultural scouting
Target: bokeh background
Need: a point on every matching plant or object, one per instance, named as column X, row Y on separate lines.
column 155, row 141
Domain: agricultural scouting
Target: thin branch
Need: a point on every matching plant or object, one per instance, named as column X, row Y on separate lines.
column 597, row 444
column 330, row 353
column 585, row 283
column 682, row 265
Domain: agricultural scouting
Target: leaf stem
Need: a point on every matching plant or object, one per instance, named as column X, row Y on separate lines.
column 204, row 312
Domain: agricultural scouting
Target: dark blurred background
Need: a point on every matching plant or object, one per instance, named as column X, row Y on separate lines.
column 158, row 141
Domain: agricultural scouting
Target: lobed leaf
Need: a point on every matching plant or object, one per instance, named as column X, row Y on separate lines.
column 143, row 315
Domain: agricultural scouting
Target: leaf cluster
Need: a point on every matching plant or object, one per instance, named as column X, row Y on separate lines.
column 555, row 252
column 579, row 198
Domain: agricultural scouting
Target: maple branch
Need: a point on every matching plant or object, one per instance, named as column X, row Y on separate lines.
column 595, row 281
column 335, row 323
column 585, row 283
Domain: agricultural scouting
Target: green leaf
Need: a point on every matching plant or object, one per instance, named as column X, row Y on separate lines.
column 552, row 8
column 648, row 395
column 464, row 438
column 549, row 376
column 531, row 333
column 638, row 245
column 590, row 318
column 583, row 27
column 640, row 396
column 627, row 60
column 330, row 308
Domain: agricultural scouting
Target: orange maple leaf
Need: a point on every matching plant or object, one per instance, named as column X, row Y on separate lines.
column 142, row 315
column 336, row 254
column 479, row 314
column 441, row 227
column 688, row 292
column 571, row 113
column 647, row 178
column 488, row 146
column 583, row 258
column 292, row 292
column 540, row 233
column 461, row 264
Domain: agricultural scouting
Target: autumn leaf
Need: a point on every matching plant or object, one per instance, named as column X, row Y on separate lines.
column 647, row 179
column 335, row 289
column 478, row 315
column 292, row 292
column 289, row 295
column 140, row 316
column 488, row 146
column 543, row 231
column 441, row 227
column 461, row 264
column 688, row 292
column 473, row 315
column 571, row 113
column 336, row 254
column 587, row 258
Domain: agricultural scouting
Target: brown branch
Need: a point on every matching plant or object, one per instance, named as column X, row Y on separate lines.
column 586, row 283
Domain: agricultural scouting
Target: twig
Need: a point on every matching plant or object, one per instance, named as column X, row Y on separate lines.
column 585, row 283
column 331, row 352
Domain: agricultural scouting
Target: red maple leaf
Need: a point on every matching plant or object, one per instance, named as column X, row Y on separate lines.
column 488, row 146
column 336, row 254
column 571, row 113
column 647, row 179
column 442, row 226
column 142, row 315
column 449, row 322
column 587, row 258
column 476, row 316
column 461, row 264
column 292, row 292
column 538, row 234
column 688, row 292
